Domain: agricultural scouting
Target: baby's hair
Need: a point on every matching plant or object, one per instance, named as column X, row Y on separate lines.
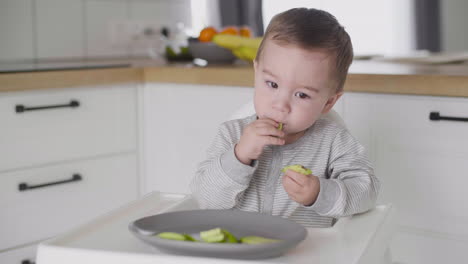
column 312, row 29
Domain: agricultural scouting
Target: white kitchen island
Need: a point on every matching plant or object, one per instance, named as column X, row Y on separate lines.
column 361, row 238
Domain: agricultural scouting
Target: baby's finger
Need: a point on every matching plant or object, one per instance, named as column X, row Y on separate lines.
column 291, row 186
column 270, row 131
column 267, row 122
column 270, row 140
column 300, row 178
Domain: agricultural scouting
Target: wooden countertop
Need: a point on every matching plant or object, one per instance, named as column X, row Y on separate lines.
column 364, row 76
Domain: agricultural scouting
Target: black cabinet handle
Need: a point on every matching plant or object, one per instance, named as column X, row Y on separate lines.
column 27, row 261
column 435, row 116
column 24, row 186
column 21, row 108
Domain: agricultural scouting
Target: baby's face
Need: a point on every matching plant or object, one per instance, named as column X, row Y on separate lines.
column 293, row 86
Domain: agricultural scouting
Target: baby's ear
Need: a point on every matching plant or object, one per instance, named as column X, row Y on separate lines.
column 331, row 102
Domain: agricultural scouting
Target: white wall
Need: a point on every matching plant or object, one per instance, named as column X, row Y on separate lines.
column 16, row 30
column 51, row 29
column 375, row 27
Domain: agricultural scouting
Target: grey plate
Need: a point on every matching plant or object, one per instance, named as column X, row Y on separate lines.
column 239, row 223
column 210, row 52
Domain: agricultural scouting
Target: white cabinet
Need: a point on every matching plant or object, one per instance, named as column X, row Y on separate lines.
column 102, row 121
column 357, row 114
column 180, row 122
column 22, row 255
column 66, row 156
column 33, row 213
column 422, row 166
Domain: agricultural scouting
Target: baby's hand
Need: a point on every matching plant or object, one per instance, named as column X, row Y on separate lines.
column 255, row 136
column 303, row 189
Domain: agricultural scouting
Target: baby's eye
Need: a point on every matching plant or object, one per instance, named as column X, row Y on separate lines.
column 272, row 84
column 301, row 95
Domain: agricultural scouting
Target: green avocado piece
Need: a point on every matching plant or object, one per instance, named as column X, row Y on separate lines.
column 176, row 236
column 297, row 168
column 189, row 238
column 257, row 240
column 172, row 236
column 229, row 237
column 215, row 235
column 280, row 127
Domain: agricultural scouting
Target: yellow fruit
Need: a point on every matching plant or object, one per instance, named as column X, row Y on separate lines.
column 245, row 53
column 233, row 42
column 297, row 168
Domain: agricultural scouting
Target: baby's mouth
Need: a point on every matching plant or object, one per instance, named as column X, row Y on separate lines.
column 280, row 124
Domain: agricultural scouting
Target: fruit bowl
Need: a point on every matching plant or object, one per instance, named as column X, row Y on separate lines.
column 210, row 52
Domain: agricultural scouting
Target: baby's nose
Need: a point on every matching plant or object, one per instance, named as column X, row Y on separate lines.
column 281, row 105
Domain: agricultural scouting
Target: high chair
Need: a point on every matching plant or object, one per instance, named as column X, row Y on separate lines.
column 358, row 239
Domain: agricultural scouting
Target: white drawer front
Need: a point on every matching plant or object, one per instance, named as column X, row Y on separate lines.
column 24, row 255
column 38, row 213
column 404, row 120
column 104, row 122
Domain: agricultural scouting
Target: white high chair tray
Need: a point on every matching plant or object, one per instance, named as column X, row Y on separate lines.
column 359, row 239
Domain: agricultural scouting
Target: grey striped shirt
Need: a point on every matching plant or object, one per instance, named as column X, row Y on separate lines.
column 347, row 181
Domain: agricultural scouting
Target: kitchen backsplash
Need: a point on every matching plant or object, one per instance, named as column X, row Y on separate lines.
column 55, row 29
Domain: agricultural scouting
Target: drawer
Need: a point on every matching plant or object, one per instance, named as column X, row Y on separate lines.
column 103, row 122
column 38, row 213
column 404, row 122
column 23, row 255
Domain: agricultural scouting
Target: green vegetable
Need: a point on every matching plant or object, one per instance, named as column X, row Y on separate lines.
column 176, row 236
column 280, row 127
column 297, row 168
column 172, row 235
column 217, row 235
column 229, row 238
column 213, row 236
column 189, row 238
column 257, row 240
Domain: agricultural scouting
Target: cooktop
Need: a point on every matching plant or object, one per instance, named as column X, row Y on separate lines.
column 36, row 66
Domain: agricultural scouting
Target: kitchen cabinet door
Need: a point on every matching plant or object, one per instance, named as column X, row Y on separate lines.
column 356, row 110
column 39, row 203
column 422, row 166
column 423, row 162
column 180, row 121
column 101, row 121
column 22, row 255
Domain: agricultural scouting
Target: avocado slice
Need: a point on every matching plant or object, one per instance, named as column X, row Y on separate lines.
column 297, row 168
column 257, row 240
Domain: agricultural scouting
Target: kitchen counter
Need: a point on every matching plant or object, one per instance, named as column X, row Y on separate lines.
column 364, row 76
column 60, row 65
column 360, row 239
